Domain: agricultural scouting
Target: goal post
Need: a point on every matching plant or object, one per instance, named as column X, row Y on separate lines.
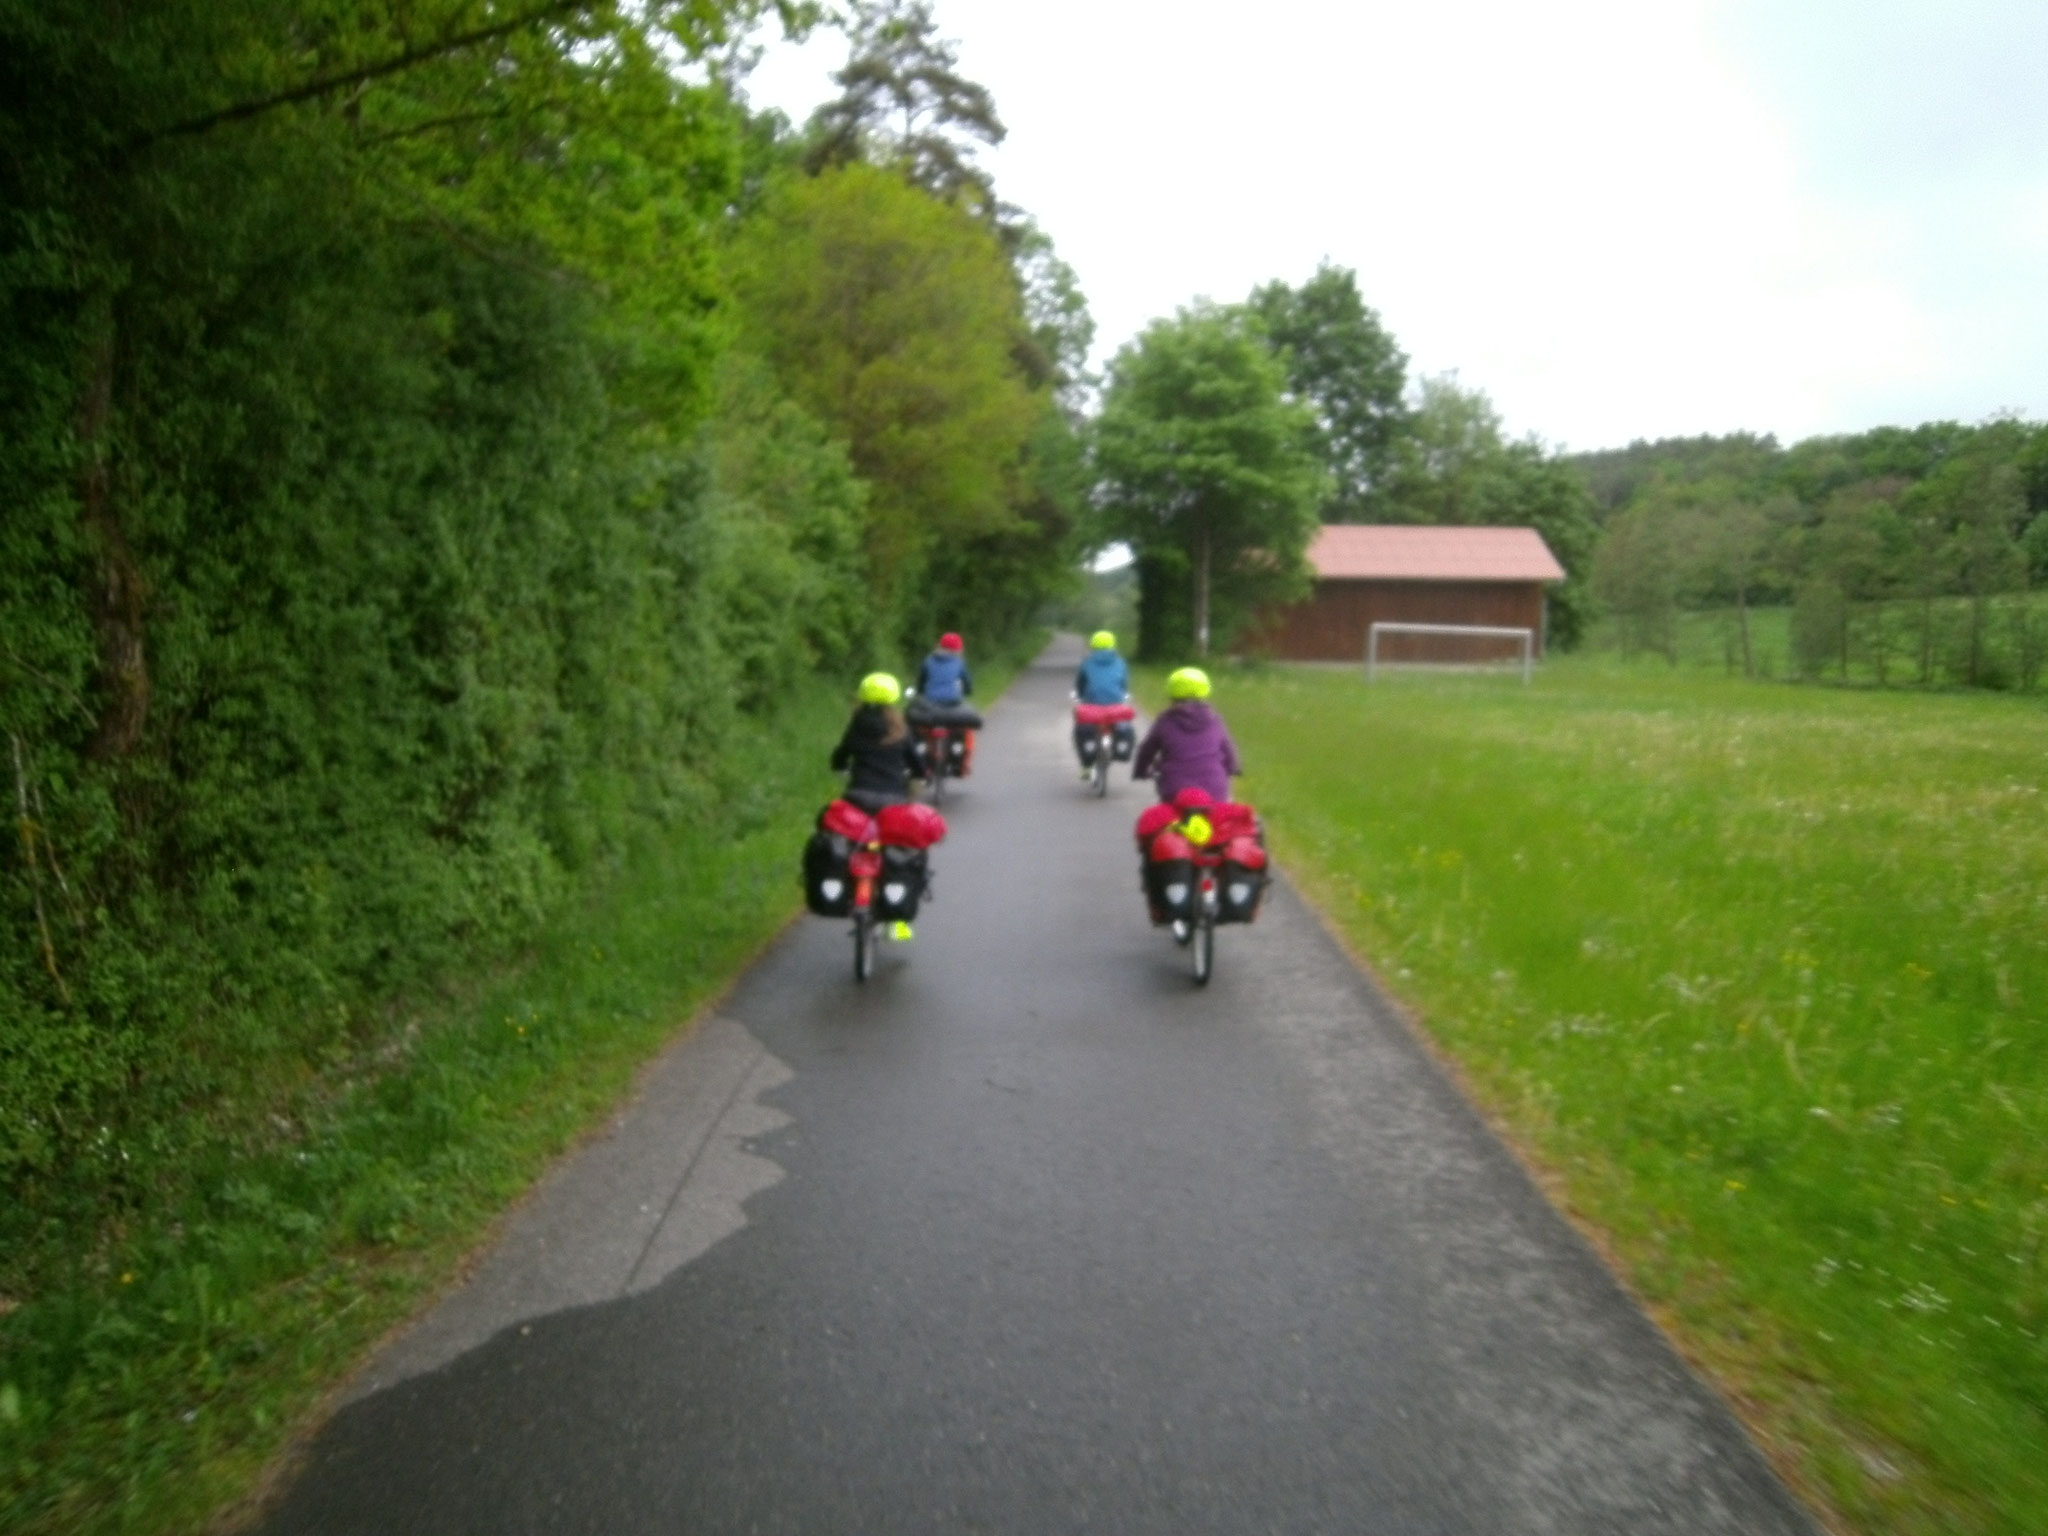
column 1524, row 638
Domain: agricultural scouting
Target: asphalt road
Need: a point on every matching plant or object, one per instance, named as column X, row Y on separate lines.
column 1029, row 1235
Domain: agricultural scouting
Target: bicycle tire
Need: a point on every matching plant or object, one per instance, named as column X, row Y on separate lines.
column 863, row 945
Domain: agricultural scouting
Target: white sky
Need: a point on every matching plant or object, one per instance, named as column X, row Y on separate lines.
column 1620, row 218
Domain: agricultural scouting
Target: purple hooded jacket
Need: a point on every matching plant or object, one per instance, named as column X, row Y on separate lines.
column 1189, row 748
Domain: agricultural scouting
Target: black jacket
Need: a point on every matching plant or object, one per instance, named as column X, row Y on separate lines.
column 879, row 767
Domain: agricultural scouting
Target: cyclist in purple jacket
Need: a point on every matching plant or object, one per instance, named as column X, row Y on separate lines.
column 1188, row 746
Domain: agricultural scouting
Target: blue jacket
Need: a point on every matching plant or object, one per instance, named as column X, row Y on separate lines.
column 944, row 678
column 1103, row 678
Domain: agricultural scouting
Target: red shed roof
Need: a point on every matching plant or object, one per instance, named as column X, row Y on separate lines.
column 1403, row 552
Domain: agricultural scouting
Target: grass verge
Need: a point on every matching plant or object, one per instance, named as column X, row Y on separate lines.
column 1758, row 975
column 153, row 1374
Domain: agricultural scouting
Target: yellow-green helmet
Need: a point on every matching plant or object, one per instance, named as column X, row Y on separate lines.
column 1102, row 640
column 880, row 688
column 1188, row 683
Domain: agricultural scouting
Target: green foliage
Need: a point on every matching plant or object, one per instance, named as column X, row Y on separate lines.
column 394, row 534
column 152, row 1373
column 895, row 319
column 1758, row 975
column 1209, row 471
column 398, row 546
column 1865, row 537
column 791, row 591
column 1341, row 361
column 904, row 103
column 1635, row 579
column 1454, row 466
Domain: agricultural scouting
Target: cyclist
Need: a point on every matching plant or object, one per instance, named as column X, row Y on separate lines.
column 1188, row 746
column 943, row 679
column 878, row 747
column 1102, row 678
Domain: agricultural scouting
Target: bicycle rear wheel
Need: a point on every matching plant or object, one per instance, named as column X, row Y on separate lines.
column 1102, row 772
column 1202, row 942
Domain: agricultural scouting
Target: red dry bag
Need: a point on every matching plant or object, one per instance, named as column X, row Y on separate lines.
column 1153, row 820
column 910, row 826
column 1103, row 714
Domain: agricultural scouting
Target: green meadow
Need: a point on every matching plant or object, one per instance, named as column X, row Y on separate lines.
column 1758, row 978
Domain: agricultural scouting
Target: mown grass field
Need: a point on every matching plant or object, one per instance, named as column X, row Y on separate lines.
column 152, row 1366
column 1759, row 975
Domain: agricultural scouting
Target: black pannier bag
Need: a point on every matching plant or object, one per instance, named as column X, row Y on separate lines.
column 1170, row 889
column 904, row 879
column 1238, row 892
column 1123, row 741
column 959, row 717
column 828, row 883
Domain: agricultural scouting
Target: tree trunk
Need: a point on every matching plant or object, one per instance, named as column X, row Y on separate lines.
column 117, row 592
column 1202, row 592
column 1742, row 628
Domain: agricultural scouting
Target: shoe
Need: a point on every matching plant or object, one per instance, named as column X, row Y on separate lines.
column 900, row 932
column 1180, row 930
column 1087, row 773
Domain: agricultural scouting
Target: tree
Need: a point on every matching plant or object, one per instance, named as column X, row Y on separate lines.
column 1726, row 546
column 1848, row 560
column 903, row 102
column 1989, row 507
column 1342, row 362
column 896, row 319
column 1208, row 470
column 1055, row 351
column 1636, row 575
column 1456, row 467
column 1454, row 441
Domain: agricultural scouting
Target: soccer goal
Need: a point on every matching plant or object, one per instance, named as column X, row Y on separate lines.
column 1525, row 640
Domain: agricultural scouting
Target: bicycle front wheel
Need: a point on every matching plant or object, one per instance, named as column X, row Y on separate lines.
column 864, row 941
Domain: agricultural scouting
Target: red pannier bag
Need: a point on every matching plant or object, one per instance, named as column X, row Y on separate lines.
column 1103, row 714
column 848, row 820
column 910, row 826
column 1245, row 852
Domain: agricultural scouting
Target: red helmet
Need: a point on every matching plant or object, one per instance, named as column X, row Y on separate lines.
column 1193, row 799
column 951, row 642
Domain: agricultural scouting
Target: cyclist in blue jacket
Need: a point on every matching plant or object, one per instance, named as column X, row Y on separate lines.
column 1102, row 678
column 943, row 678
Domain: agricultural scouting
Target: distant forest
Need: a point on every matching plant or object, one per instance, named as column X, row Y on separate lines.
column 1907, row 555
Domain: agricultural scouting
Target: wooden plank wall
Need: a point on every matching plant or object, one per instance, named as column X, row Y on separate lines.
column 1331, row 625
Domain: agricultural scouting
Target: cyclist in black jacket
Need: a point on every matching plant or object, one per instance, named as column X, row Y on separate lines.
column 878, row 747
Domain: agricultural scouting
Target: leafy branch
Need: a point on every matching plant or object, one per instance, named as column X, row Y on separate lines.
column 327, row 85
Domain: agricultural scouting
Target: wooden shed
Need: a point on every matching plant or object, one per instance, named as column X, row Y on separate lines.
column 1367, row 573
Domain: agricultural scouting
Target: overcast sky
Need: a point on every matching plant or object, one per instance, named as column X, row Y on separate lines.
column 1620, row 218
